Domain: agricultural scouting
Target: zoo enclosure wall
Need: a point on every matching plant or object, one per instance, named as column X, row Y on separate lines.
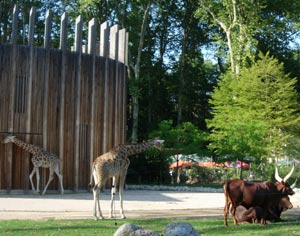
column 70, row 101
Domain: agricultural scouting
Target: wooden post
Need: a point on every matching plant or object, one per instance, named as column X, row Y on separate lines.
column 104, row 52
column 113, row 113
column 12, row 94
column 47, row 38
column 125, row 85
column 63, row 48
column 29, row 95
column 122, row 59
column 92, row 51
column 78, row 49
column 114, row 54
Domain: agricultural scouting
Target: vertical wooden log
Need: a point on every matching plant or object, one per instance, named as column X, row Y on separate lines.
column 47, row 33
column 47, row 38
column 63, row 32
column 104, row 40
column 92, row 37
column 110, row 91
column 104, row 52
column 63, row 48
column 14, row 35
column 122, row 46
column 122, row 59
column 31, row 26
column 113, row 54
column 29, row 95
column 78, row 49
column 12, row 95
column 125, row 85
column 92, row 51
column 113, row 47
column 126, row 49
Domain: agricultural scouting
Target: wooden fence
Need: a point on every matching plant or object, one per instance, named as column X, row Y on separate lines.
column 70, row 102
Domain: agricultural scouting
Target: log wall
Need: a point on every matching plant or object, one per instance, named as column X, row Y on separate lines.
column 71, row 102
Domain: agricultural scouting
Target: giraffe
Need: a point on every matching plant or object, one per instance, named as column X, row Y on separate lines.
column 40, row 158
column 115, row 164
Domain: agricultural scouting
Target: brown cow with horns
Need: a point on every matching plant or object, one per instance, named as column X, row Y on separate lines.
column 256, row 194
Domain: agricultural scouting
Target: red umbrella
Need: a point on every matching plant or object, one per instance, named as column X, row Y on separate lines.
column 210, row 164
column 181, row 163
column 207, row 164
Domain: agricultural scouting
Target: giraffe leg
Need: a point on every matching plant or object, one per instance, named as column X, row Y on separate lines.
column 30, row 178
column 121, row 190
column 60, row 177
column 51, row 173
column 96, row 191
column 38, row 180
column 115, row 181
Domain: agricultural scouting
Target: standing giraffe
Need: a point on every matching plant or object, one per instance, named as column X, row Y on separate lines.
column 115, row 164
column 40, row 158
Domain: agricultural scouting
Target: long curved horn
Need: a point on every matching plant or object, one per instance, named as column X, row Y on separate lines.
column 277, row 177
column 289, row 174
column 294, row 184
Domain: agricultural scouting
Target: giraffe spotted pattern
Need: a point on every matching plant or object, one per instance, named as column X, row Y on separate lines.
column 115, row 164
column 40, row 158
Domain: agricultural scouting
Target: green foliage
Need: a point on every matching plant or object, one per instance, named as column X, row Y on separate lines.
column 203, row 175
column 254, row 113
column 150, row 167
column 233, row 23
column 184, row 138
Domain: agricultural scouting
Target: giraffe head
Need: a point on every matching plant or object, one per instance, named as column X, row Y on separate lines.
column 9, row 139
column 158, row 143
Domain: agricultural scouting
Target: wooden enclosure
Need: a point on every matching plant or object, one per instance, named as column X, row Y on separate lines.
column 70, row 102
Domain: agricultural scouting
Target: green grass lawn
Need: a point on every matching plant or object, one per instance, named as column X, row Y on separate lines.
column 205, row 226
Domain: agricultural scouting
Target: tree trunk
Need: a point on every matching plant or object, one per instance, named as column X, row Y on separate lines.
column 181, row 78
column 228, row 29
column 135, row 108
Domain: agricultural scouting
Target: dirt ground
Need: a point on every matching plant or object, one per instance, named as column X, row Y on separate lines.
column 137, row 204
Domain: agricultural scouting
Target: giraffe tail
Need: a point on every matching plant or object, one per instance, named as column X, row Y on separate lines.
column 92, row 182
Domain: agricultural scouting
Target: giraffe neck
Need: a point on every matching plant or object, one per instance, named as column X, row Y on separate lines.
column 26, row 146
column 133, row 149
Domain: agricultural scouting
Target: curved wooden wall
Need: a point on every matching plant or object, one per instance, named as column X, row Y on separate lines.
column 71, row 102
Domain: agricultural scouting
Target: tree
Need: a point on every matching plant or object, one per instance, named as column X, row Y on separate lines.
column 279, row 33
column 237, row 20
column 137, row 66
column 184, row 138
column 254, row 113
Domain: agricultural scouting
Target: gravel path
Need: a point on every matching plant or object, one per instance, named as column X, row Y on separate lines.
column 137, row 204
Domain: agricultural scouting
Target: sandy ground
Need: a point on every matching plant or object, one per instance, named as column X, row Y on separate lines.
column 137, row 204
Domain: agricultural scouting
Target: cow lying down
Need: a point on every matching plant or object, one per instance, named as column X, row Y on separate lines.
column 251, row 215
column 261, row 215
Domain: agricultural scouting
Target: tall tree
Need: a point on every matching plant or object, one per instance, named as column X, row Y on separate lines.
column 191, row 63
column 280, row 32
column 238, row 21
column 137, row 66
column 256, row 113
